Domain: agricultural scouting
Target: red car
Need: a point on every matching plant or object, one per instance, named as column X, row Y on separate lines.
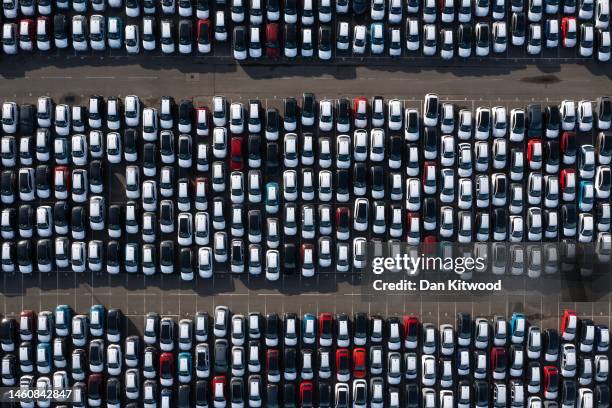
column 534, row 152
column 343, row 371
column 42, row 33
column 430, row 244
column 413, row 227
column 272, row 43
column 359, row 362
column 568, row 31
column 166, row 369
column 429, row 177
column 273, row 365
column 568, row 147
column 27, row 325
column 61, row 180
column 343, row 222
column 325, row 329
column 27, row 34
column 306, row 394
column 567, row 180
column 219, row 386
column 202, row 121
column 569, row 323
column 411, row 331
column 203, row 32
column 551, row 382
column 499, row 362
column 360, row 112
column 236, row 162
column 94, row 387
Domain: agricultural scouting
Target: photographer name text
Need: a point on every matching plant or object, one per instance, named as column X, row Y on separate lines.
column 451, row 285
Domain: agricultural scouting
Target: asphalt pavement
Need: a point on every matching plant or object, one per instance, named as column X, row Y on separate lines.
column 72, row 79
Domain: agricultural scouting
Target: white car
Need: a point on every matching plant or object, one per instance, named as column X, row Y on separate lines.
column 166, row 37
column 132, row 39
column 412, row 34
column 429, row 39
column 447, row 47
column 359, row 39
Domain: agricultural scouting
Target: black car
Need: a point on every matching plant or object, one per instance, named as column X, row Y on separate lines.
column 552, row 118
column 272, row 153
column 481, row 394
column 464, row 328
column 325, row 39
column 201, row 393
column 8, row 334
column 551, row 344
column 359, row 176
column 271, row 329
column 149, row 157
column 359, row 7
column 309, row 106
column 113, row 255
column 221, row 353
column 604, row 109
column 240, row 40
column 569, row 216
column 342, row 182
column 343, row 113
column 26, row 217
column 129, row 142
column 518, row 25
column 184, row 396
column 360, row 326
column 185, row 33
column 325, row 395
column 254, row 224
column 236, row 389
column 534, row 120
column 59, row 27
column 254, row 148
column 272, row 397
column 568, row 393
column 552, row 153
column 60, row 215
column 114, row 325
column 412, row 396
column 464, row 36
column 290, row 110
column 601, row 395
column 96, row 175
column 289, row 395
column 500, row 221
column 26, row 119
column 185, row 110
column 272, row 120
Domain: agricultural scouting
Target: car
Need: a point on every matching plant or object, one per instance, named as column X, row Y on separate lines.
column 569, row 29
column 568, row 360
column 429, row 40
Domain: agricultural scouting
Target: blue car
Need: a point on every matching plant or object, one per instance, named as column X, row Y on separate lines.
column 183, row 368
column 309, row 328
column 43, row 358
column 271, row 197
column 586, row 193
column 97, row 317
column 518, row 324
column 377, row 38
column 63, row 320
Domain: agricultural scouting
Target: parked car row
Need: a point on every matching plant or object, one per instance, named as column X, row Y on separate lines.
column 290, row 40
column 341, row 115
column 308, row 12
column 308, row 259
column 237, row 360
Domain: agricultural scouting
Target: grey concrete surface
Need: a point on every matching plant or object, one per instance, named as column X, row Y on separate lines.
column 73, row 79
